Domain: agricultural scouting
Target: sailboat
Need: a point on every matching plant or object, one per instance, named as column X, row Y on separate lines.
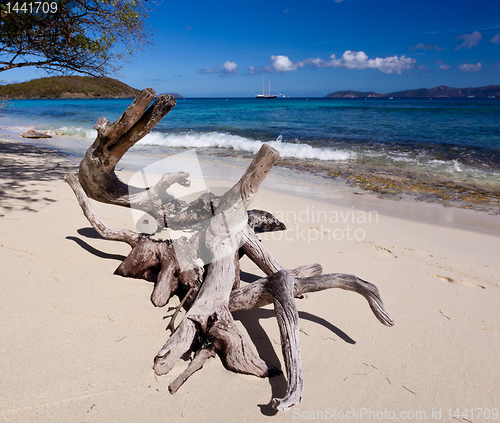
column 265, row 95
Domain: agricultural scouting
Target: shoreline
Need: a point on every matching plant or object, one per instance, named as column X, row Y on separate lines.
column 304, row 185
column 365, row 177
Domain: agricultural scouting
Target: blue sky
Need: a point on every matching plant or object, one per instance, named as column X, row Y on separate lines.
column 221, row 48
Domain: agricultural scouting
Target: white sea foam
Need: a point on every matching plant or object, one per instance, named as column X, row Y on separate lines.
column 421, row 161
column 18, row 128
column 77, row 131
column 86, row 133
column 236, row 142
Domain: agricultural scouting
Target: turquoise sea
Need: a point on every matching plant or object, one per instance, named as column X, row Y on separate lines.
column 438, row 150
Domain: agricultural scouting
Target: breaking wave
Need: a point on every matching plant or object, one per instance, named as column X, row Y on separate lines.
column 239, row 143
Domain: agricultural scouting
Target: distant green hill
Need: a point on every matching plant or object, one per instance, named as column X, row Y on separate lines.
column 441, row 91
column 68, row 87
column 175, row 95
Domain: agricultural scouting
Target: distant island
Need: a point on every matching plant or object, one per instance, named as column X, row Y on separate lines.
column 68, row 87
column 175, row 95
column 441, row 91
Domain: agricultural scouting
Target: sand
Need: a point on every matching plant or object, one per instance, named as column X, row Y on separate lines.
column 77, row 342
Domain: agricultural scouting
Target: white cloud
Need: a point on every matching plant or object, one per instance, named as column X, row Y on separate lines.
column 392, row 64
column 359, row 60
column 319, row 63
column 444, row 67
column 469, row 67
column 470, row 40
column 281, row 64
column 230, row 67
column 423, row 46
column 496, row 39
column 349, row 60
column 226, row 69
column 252, row 70
column 352, row 60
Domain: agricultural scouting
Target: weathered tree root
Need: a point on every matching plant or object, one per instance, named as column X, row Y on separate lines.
column 97, row 169
column 201, row 356
column 210, row 291
column 256, row 294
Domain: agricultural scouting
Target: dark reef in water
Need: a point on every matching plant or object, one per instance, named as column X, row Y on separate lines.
column 392, row 182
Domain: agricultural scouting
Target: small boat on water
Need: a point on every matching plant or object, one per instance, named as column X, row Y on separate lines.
column 265, row 95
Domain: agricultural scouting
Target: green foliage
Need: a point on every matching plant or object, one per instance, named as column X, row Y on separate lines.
column 86, row 36
column 68, row 87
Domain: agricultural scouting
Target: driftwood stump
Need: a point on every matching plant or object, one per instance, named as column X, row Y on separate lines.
column 203, row 271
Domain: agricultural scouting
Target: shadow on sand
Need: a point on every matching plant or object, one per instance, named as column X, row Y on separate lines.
column 22, row 168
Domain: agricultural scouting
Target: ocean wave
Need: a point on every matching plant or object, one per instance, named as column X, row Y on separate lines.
column 75, row 131
column 239, row 143
column 18, row 128
column 72, row 131
column 423, row 160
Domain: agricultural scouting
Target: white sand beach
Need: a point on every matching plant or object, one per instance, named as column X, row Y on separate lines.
column 77, row 342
